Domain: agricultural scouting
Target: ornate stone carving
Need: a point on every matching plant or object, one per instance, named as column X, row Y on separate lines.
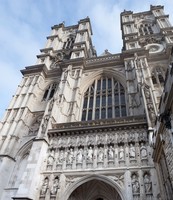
column 120, row 138
column 81, row 141
column 61, row 157
column 51, row 158
column 70, row 156
column 44, row 124
column 131, row 137
column 91, row 140
column 35, row 127
column 70, row 180
column 110, row 153
column 44, row 186
column 72, row 141
column 132, row 151
column 79, row 155
column 147, row 183
column 143, row 151
column 119, row 178
column 149, row 103
column 100, row 139
column 90, row 154
column 121, row 153
column 111, row 139
column 135, row 184
column 55, row 186
column 100, row 154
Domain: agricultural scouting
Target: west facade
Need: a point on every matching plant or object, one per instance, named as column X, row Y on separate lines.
column 89, row 127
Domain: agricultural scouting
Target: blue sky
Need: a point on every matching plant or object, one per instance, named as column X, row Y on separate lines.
column 25, row 24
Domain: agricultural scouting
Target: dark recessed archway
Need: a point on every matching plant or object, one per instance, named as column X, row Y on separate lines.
column 95, row 190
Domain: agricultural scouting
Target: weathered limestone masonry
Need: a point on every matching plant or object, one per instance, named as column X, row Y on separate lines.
column 82, row 126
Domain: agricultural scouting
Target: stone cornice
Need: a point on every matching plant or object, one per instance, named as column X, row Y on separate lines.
column 34, row 69
column 98, row 125
column 108, row 60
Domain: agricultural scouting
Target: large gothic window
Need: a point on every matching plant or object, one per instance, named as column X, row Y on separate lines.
column 104, row 99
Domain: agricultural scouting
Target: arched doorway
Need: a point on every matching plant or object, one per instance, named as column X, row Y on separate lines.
column 95, row 190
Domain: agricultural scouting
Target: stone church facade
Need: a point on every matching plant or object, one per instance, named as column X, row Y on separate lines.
column 89, row 127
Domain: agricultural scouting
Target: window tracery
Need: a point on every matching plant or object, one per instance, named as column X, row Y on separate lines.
column 104, row 99
column 145, row 29
column 48, row 94
column 158, row 76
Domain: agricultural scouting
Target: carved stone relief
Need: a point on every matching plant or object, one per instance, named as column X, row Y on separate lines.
column 92, row 150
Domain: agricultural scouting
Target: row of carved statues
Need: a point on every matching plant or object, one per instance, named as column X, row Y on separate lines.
column 95, row 139
column 91, row 153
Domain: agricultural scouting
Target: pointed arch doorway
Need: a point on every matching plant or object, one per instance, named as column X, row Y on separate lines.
column 95, row 190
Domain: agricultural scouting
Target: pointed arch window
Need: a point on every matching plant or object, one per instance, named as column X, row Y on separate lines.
column 104, row 99
column 158, row 76
column 145, row 29
column 48, row 94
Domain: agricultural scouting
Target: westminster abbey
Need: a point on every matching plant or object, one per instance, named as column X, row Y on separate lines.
column 89, row 127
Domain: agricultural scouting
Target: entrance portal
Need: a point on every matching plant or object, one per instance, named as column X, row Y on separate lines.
column 95, row 190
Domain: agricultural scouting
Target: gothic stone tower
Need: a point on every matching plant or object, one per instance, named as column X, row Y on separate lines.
column 80, row 126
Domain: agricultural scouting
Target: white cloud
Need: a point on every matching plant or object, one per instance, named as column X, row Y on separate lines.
column 25, row 24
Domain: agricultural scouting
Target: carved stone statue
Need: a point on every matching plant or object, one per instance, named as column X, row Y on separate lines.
column 51, row 158
column 44, row 124
column 132, row 152
column 147, row 183
column 55, row 186
column 70, row 156
column 90, row 154
column 143, row 151
column 121, row 153
column 100, row 155
column 135, row 184
column 61, row 157
column 80, row 155
column 44, row 186
column 111, row 153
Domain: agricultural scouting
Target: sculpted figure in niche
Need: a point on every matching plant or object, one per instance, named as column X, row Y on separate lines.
column 44, row 186
column 100, row 139
column 61, row 157
column 111, row 153
column 80, row 155
column 70, row 155
column 121, row 153
column 50, row 106
column 35, row 127
column 44, row 124
column 147, row 183
column 55, row 186
column 90, row 154
column 111, row 139
column 143, row 151
column 131, row 137
column 100, row 154
column 132, row 152
column 120, row 138
column 51, row 158
column 135, row 184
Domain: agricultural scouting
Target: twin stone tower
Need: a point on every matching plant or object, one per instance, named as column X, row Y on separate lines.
column 82, row 126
